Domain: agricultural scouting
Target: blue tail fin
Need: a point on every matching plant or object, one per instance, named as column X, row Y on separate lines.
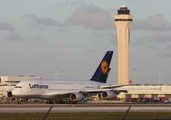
column 102, row 71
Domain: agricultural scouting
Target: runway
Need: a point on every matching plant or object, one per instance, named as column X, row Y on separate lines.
column 82, row 109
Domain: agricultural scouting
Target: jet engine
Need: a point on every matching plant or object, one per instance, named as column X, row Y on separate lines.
column 108, row 95
column 76, row 97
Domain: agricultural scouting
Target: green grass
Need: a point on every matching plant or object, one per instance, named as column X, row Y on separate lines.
column 85, row 116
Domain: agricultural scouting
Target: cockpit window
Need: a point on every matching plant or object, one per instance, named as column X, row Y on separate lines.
column 18, row 87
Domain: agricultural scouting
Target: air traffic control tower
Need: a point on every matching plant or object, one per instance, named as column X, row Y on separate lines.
column 123, row 21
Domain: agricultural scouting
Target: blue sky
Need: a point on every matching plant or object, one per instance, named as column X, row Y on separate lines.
column 70, row 37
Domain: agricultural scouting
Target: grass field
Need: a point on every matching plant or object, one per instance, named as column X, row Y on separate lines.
column 85, row 116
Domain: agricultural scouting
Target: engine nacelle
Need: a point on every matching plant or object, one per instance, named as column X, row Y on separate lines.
column 108, row 95
column 76, row 97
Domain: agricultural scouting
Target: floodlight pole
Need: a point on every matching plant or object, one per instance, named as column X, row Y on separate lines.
column 159, row 77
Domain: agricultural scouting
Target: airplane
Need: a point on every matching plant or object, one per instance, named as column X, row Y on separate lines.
column 72, row 90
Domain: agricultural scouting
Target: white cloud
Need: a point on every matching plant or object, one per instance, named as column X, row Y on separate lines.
column 152, row 23
column 91, row 16
column 14, row 36
column 156, row 38
column 45, row 21
column 6, row 26
column 63, row 3
column 158, row 42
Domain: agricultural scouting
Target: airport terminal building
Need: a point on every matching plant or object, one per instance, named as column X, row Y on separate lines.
column 151, row 92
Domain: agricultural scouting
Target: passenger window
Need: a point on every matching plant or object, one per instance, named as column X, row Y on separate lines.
column 18, row 87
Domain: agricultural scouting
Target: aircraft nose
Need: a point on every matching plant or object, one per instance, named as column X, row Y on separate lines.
column 14, row 92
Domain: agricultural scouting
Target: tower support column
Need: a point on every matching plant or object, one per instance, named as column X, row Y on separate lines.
column 123, row 22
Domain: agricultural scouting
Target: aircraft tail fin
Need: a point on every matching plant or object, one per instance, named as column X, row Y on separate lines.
column 102, row 72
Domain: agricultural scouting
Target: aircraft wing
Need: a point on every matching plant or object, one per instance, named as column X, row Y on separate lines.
column 114, row 86
column 59, row 93
column 96, row 90
column 51, row 94
column 80, row 95
column 68, row 93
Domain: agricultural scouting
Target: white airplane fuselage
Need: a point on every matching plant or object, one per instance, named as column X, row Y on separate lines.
column 40, row 88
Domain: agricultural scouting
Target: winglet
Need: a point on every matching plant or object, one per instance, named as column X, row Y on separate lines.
column 102, row 72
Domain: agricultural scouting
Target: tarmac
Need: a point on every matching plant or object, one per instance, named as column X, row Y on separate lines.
column 43, row 108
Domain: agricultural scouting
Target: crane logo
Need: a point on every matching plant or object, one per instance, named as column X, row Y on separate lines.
column 104, row 67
